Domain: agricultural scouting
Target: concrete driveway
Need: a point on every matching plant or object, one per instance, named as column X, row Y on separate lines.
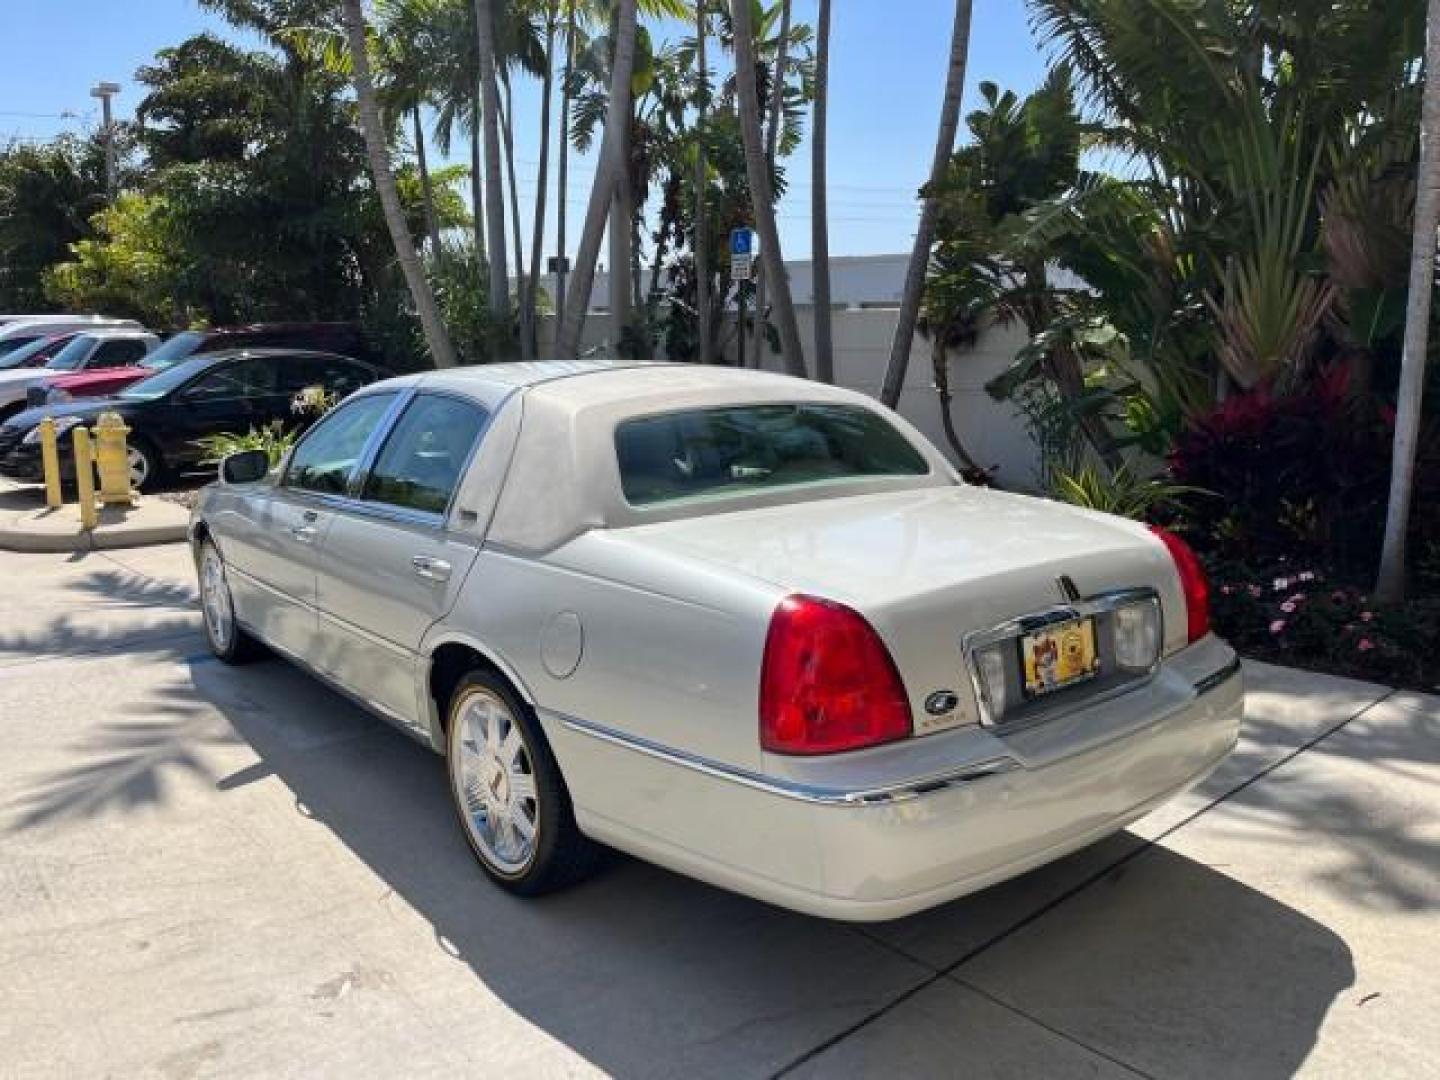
column 217, row 872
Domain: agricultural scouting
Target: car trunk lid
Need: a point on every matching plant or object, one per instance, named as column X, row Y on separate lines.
column 927, row 567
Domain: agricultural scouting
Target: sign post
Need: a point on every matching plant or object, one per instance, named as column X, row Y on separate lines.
column 744, row 246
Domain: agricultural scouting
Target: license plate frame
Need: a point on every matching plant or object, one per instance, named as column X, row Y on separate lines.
column 1058, row 656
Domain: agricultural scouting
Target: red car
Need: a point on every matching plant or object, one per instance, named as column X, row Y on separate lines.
column 344, row 339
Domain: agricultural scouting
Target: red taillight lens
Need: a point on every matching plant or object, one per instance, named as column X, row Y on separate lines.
column 1192, row 583
column 827, row 682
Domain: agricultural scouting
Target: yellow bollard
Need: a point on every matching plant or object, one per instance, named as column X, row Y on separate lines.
column 85, row 477
column 50, row 459
column 113, row 460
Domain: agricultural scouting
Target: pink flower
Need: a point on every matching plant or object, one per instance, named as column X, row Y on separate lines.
column 1365, row 644
column 1277, row 626
column 1306, row 575
column 1297, row 598
column 1255, row 591
column 1288, row 607
column 1225, row 590
column 1367, row 616
column 1280, row 584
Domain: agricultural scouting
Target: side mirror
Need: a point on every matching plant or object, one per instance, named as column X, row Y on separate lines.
column 244, row 467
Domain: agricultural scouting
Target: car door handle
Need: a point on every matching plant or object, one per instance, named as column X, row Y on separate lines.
column 430, row 568
column 303, row 533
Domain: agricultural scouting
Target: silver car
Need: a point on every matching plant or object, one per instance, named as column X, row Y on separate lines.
column 748, row 627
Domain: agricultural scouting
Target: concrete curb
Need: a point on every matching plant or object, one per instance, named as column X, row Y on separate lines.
column 150, row 521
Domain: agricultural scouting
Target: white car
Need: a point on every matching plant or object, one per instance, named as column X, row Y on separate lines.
column 18, row 330
column 748, row 627
column 103, row 348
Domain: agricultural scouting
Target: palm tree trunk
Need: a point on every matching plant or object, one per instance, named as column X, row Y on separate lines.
column 940, row 361
column 602, row 192
column 819, row 203
column 772, row 145
column 436, row 337
column 562, row 193
column 929, row 211
column 622, row 215
column 762, row 195
column 507, row 130
column 702, row 217
column 621, row 247
column 427, row 189
column 494, row 191
column 1390, row 585
column 537, row 239
column 477, row 199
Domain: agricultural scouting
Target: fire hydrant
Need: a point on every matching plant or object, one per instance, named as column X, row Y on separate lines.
column 112, row 460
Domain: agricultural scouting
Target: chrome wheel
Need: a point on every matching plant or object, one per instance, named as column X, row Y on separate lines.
column 215, row 600
column 139, row 467
column 494, row 776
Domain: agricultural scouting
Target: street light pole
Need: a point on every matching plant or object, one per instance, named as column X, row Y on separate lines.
column 105, row 91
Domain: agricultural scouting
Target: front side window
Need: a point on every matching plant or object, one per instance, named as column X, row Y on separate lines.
column 419, row 466
column 325, row 459
column 747, row 448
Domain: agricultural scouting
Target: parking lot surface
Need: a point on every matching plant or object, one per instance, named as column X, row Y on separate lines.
column 208, row 871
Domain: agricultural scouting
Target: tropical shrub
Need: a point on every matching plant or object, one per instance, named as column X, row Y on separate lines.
column 1291, row 612
column 275, row 439
column 1125, row 492
column 1304, row 474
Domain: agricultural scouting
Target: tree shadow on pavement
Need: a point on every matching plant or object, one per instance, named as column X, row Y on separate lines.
column 645, row 973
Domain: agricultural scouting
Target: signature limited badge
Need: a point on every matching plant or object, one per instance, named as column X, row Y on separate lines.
column 941, row 702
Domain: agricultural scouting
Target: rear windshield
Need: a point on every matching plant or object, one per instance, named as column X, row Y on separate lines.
column 744, row 448
column 180, row 347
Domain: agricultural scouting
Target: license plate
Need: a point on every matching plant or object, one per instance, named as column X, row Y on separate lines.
column 1059, row 656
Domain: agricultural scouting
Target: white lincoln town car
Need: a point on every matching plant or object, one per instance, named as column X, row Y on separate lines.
column 748, row 627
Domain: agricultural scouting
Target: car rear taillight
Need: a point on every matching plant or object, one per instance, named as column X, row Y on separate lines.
column 827, row 682
column 1192, row 583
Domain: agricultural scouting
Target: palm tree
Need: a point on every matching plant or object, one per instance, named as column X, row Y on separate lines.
column 562, row 182
column 772, row 142
column 494, row 193
column 1390, row 586
column 607, row 177
column 925, row 233
column 702, row 222
column 436, row 337
column 819, row 205
column 762, row 194
column 530, row 321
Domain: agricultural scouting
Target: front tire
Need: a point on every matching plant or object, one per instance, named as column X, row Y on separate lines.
column 228, row 641
column 507, row 789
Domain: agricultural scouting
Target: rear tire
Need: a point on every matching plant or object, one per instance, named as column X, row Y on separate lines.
column 507, row 789
column 228, row 640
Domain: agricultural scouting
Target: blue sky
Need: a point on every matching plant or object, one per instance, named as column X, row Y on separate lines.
column 888, row 62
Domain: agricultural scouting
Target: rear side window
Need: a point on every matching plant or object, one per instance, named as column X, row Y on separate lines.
column 327, row 456
column 419, row 466
column 737, row 449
